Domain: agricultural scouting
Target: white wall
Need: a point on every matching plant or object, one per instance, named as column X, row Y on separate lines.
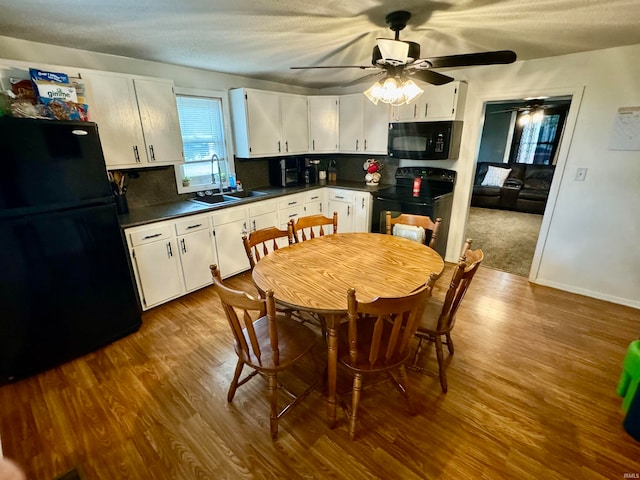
column 590, row 233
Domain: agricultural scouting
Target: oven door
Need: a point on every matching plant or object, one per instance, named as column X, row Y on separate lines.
column 397, row 206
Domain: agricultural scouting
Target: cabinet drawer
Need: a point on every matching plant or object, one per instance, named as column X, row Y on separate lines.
column 192, row 224
column 341, row 196
column 292, row 213
column 149, row 234
column 290, row 201
column 313, row 196
column 261, row 208
column 229, row 215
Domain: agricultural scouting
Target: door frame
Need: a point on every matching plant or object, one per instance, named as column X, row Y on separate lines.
column 576, row 94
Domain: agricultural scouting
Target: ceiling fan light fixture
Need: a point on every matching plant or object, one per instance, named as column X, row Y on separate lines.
column 393, row 91
column 393, row 51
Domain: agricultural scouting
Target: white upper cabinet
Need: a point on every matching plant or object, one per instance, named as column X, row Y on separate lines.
column 323, row 124
column 268, row 123
column 137, row 120
column 438, row 102
column 160, row 123
column 363, row 125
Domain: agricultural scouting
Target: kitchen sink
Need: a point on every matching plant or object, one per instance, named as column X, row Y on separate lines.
column 245, row 194
column 214, row 199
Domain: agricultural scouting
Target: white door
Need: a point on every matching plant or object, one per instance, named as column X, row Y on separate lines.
column 350, row 123
column 158, row 268
column 196, row 254
column 362, row 212
column 323, row 124
column 345, row 215
column 263, row 112
column 232, row 257
column 441, row 101
column 375, row 127
column 160, row 123
column 113, row 106
column 294, row 115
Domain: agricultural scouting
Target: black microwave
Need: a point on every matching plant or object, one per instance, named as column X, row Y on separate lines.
column 425, row 140
column 286, row 172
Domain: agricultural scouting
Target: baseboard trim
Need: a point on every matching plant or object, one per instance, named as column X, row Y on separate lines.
column 589, row 293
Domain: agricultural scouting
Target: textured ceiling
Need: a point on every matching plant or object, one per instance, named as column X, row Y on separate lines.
column 263, row 38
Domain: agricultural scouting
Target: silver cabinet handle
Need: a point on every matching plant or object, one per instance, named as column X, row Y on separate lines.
column 426, row 110
column 194, row 226
column 363, row 203
column 254, row 226
column 365, row 144
column 292, row 203
column 286, row 146
column 320, row 208
column 184, row 245
column 348, row 210
column 136, row 154
column 169, row 251
column 152, row 153
column 279, row 146
column 313, row 144
column 415, row 110
column 147, row 237
column 338, row 196
column 293, row 215
column 357, row 144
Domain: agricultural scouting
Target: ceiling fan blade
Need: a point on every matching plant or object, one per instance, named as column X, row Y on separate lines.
column 361, row 67
column 470, row 59
column 370, row 76
column 429, row 76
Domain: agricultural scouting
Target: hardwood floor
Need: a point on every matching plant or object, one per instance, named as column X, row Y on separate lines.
column 531, row 396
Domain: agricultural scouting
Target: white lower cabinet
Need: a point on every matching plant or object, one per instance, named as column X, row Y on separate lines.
column 362, row 212
column 156, row 263
column 314, row 203
column 341, row 201
column 229, row 225
column 354, row 209
column 197, row 251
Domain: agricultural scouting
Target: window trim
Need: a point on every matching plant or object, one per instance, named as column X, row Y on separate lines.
column 223, row 95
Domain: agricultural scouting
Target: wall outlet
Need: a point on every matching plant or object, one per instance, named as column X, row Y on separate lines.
column 581, row 173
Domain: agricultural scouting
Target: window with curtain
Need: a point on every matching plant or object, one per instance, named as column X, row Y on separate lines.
column 537, row 141
column 205, row 153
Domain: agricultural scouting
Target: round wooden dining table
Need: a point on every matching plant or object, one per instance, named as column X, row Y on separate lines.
column 314, row 276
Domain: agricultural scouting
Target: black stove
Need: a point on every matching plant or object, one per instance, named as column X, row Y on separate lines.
column 421, row 191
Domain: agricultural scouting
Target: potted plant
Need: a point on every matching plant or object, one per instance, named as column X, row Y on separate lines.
column 186, row 181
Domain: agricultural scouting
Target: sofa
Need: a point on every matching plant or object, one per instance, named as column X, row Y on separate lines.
column 524, row 188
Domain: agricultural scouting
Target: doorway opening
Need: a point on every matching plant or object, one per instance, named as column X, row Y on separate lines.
column 516, row 161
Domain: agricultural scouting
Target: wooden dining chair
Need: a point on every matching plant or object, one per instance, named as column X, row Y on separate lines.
column 260, row 242
column 265, row 342
column 439, row 316
column 304, row 226
column 376, row 340
column 430, row 227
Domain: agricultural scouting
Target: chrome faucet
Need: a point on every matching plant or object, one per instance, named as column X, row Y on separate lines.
column 215, row 161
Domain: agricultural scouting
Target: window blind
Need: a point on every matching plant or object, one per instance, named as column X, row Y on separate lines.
column 202, row 128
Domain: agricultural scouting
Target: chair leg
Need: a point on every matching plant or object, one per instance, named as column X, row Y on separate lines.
column 441, row 370
column 404, row 382
column 273, row 396
column 234, row 383
column 355, row 400
column 449, row 343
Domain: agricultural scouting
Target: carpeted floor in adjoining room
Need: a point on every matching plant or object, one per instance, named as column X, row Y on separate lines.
column 507, row 238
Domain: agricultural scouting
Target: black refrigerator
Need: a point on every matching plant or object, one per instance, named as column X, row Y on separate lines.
column 65, row 283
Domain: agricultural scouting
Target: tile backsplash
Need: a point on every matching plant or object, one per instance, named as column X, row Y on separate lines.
column 153, row 186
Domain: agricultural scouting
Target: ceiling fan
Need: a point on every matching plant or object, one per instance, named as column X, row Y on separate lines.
column 532, row 105
column 395, row 58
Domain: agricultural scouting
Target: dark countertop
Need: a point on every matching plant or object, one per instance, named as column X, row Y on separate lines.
column 168, row 211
